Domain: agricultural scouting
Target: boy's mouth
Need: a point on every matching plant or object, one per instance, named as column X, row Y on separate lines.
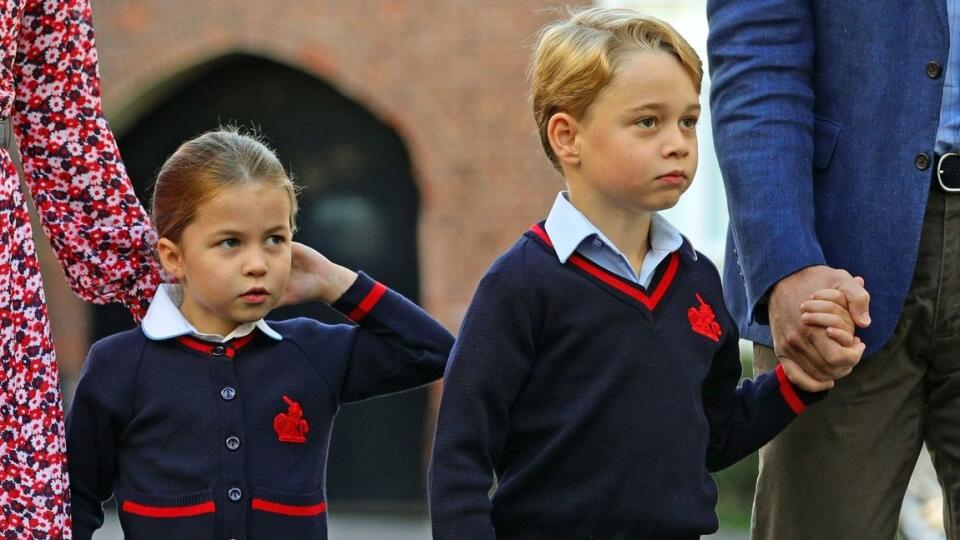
column 673, row 177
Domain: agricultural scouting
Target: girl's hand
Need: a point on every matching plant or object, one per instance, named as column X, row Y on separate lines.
column 313, row 277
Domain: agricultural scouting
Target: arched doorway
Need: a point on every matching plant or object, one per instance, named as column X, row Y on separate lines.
column 359, row 206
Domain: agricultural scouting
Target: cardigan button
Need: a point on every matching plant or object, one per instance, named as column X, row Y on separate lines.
column 228, row 393
column 233, row 443
column 235, row 494
column 219, row 350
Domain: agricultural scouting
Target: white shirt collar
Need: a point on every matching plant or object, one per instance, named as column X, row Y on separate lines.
column 567, row 228
column 164, row 320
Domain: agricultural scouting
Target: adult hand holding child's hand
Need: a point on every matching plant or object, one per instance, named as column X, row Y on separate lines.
column 812, row 358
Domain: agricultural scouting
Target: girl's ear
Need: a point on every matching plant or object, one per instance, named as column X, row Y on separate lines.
column 562, row 134
column 171, row 258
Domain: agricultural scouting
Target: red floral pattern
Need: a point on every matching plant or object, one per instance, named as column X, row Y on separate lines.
column 49, row 86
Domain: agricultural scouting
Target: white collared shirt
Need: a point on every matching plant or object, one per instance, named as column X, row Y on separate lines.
column 164, row 320
column 569, row 230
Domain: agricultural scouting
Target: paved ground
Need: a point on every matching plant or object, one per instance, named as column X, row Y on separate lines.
column 368, row 527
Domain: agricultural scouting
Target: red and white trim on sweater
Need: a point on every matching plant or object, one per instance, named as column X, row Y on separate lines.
column 649, row 301
column 788, row 392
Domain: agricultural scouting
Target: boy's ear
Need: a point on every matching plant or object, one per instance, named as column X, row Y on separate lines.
column 171, row 258
column 562, row 134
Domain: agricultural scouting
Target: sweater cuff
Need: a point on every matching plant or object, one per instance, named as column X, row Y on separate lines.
column 797, row 399
column 361, row 298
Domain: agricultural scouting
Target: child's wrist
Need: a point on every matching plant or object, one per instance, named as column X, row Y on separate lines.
column 337, row 281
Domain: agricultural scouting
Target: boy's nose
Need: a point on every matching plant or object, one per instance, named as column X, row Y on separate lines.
column 676, row 144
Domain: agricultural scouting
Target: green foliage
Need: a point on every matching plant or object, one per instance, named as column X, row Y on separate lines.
column 736, row 485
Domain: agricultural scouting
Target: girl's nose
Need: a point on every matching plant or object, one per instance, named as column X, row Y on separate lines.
column 255, row 264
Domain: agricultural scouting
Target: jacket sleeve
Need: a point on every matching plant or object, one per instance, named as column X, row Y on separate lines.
column 86, row 204
column 396, row 345
column 491, row 359
column 100, row 410
column 761, row 65
column 744, row 417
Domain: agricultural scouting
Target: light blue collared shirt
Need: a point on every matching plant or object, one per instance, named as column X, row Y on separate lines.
column 164, row 320
column 948, row 134
column 570, row 231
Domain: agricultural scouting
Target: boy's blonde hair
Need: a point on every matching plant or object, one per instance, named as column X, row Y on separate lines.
column 576, row 58
column 203, row 166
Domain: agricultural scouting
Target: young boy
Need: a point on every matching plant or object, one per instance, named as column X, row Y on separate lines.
column 596, row 370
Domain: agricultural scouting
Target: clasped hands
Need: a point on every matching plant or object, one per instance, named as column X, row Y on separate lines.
column 813, row 315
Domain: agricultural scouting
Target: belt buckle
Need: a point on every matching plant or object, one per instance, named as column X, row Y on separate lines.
column 941, row 172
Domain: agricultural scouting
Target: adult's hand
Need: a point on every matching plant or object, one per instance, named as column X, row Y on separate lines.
column 820, row 358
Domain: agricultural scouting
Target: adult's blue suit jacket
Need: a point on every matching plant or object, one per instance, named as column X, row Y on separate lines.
column 820, row 111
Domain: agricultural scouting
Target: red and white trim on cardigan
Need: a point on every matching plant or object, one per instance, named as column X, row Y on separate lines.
column 206, row 347
column 207, row 507
column 289, row 509
column 368, row 303
column 631, row 290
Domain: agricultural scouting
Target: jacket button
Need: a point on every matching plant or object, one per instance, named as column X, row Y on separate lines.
column 921, row 161
column 228, row 393
column 233, row 443
column 235, row 494
column 934, row 70
column 219, row 350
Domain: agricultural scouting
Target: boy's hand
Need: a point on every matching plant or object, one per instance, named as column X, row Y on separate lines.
column 827, row 308
column 799, row 378
column 313, row 277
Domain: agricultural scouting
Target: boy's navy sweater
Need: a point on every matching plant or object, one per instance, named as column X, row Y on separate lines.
column 601, row 408
column 199, row 440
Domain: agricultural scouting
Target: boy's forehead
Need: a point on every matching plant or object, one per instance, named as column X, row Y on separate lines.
column 653, row 79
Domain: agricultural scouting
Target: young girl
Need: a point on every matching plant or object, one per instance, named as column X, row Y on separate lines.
column 209, row 422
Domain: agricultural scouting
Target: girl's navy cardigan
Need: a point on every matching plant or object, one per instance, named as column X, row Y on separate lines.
column 600, row 406
column 201, row 440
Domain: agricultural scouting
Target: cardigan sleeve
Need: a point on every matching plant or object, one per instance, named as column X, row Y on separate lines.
column 396, row 345
column 100, row 410
column 744, row 417
column 492, row 357
column 86, row 203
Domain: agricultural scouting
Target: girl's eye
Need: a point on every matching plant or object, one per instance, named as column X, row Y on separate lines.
column 276, row 240
column 689, row 122
column 648, row 122
column 230, row 243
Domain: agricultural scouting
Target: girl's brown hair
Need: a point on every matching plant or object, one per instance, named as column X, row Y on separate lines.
column 202, row 167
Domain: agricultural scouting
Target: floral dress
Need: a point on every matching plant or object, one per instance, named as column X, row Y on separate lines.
column 49, row 89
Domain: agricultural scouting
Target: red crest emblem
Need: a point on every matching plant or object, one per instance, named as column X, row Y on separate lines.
column 291, row 426
column 704, row 321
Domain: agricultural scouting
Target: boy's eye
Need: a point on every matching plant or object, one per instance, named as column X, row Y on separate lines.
column 648, row 122
column 689, row 122
column 276, row 240
column 229, row 242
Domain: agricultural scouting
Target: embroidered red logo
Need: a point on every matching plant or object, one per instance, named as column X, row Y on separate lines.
column 290, row 426
column 703, row 321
